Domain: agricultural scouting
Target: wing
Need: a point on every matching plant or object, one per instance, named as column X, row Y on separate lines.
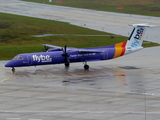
column 91, row 50
column 52, row 46
column 73, row 49
column 58, row 48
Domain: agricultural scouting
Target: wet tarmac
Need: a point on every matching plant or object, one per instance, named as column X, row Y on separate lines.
column 118, row 89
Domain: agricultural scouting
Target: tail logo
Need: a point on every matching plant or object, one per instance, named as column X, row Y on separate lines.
column 137, row 37
column 139, row 34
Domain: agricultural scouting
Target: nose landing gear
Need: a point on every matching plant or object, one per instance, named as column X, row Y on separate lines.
column 13, row 69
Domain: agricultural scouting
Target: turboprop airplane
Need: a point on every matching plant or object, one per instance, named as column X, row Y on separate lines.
column 67, row 55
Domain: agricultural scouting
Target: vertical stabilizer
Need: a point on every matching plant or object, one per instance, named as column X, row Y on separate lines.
column 133, row 43
column 136, row 38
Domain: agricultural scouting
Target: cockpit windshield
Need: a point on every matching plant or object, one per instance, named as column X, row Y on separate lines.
column 18, row 58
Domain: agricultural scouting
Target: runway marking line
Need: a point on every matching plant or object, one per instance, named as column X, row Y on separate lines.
column 5, row 79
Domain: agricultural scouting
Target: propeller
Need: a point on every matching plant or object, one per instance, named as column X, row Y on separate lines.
column 65, row 55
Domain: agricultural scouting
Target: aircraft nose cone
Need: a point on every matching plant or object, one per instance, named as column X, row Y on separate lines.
column 9, row 64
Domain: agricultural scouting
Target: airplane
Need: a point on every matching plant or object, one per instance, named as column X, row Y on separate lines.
column 67, row 55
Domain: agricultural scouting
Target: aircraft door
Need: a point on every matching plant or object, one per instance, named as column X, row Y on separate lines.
column 29, row 60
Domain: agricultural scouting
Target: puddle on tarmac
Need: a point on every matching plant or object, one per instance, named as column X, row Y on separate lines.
column 129, row 67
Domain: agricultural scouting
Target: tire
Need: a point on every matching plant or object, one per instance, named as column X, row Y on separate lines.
column 86, row 67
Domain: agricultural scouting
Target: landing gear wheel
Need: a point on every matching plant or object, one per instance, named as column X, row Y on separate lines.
column 86, row 67
column 67, row 64
column 13, row 69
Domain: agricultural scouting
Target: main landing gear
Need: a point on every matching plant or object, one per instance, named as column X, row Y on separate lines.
column 86, row 67
column 67, row 64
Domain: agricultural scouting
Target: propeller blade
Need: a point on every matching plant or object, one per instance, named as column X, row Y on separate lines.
column 65, row 54
column 45, row 48
column 65, row 47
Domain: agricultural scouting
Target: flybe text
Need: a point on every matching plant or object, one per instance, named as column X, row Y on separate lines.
column 42, row 58
column 137, row 37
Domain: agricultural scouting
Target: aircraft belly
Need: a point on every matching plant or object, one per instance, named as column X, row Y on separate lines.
column 75, row 60
column 58, row 60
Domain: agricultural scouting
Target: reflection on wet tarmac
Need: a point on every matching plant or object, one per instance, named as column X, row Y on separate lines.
column 124, row 79
column 129, row 67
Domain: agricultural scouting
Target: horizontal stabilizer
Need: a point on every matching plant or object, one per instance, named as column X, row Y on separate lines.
column 142, row 25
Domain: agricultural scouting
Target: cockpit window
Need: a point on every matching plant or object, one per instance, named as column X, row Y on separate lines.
column 15, row 58
column 18, row 58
